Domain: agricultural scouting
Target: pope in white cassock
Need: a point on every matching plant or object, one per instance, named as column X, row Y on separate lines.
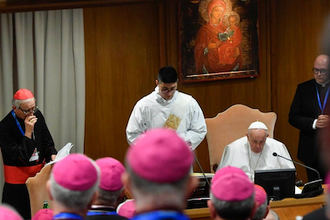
column 166, row 107
column 255, row 152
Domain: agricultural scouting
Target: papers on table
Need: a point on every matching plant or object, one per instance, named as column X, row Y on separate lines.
column 297, row 190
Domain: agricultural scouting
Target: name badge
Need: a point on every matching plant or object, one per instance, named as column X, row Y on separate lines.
column 35, row 155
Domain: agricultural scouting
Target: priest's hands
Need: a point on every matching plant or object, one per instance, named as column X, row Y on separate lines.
column 53, row 157
column 29, row 125
column 322, row 121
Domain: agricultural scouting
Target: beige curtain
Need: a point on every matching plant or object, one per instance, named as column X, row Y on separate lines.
column 44, row 52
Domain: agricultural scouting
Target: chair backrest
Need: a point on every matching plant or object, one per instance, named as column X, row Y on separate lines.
column 230, row 125
column 37, row 189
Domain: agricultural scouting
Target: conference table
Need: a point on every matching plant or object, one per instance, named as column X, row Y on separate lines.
column 287, row 209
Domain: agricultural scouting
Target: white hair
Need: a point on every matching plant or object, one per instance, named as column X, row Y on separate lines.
column 146, row 192
column 72, row 199
column 17, row 103
column 261, row 211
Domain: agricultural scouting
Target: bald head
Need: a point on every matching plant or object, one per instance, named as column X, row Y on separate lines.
column 321, row 66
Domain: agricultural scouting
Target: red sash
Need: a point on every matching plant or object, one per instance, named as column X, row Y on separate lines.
column 19, row 175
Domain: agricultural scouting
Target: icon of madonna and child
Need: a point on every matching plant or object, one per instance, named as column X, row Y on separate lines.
column 218, row 41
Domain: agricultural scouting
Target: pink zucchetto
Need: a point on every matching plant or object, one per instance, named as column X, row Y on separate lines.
column 127, row 209
column 257, row 125
column 23, row 94
column 160, row 156
column 260, row 194
column 9, row 213
column 231, row 184
column 327, row 181
column 43, row 214
column 75, row 172
column 111, row 171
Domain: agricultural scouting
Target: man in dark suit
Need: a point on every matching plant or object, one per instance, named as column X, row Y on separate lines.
column 309, row 113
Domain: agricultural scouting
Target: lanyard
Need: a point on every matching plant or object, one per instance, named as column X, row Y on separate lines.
column 325, row 99
column 65, row 215
column 161, row 215
column 18, row 124
column 92, row 213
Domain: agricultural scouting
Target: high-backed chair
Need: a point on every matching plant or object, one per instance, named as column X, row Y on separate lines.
column 230, row 125
column 37, row 189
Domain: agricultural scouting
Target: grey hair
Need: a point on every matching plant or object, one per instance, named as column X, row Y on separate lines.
column 72, row 199
column 272, row 216
column 17, row 103
column 233, row 210
column 261, row 211
column 106, row 197
column 146, row 192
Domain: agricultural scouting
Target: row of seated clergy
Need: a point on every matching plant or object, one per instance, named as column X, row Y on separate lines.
column 255, row 152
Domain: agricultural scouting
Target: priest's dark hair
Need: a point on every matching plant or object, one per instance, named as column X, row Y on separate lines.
column 167, row 74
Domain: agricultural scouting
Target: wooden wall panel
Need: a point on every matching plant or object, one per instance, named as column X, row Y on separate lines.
column 122, row 60
column 295, row 44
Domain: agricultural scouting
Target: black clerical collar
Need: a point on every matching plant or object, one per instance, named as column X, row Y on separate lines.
column 323, row 84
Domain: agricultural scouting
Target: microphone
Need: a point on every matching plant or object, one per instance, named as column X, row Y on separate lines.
column 311, row 189
column 310, row 168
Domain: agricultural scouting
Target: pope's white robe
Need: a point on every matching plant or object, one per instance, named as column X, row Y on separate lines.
column 239, row 154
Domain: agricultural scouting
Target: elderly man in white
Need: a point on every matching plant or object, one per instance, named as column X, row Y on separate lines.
column 255, row 152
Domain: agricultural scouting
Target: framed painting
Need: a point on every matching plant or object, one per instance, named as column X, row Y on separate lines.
column 218, row 40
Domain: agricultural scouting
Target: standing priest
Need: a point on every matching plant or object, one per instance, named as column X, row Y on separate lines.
column 26, row 144
column 166, row 107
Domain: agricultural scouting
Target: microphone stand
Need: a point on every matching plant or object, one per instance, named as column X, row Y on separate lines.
column 310, row 189
column 200, row 167
column 318, row 174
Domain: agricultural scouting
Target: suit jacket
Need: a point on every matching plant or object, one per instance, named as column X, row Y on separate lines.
column 304, row 110
column 318, row 214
